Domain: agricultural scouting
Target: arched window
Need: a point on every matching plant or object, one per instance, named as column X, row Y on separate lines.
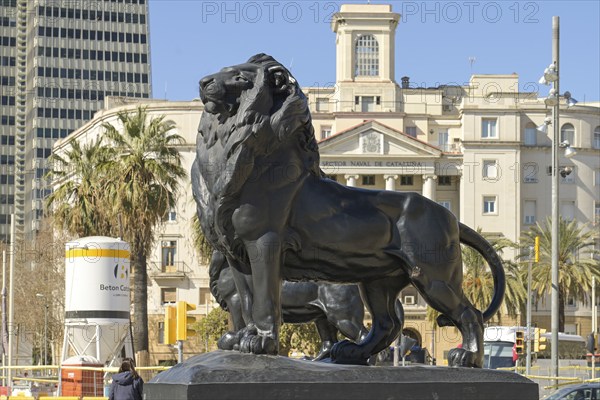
column 367, row 56
column 596, row 139
column 567, row 132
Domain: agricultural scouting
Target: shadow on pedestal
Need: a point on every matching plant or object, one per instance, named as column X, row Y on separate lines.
column 223, row 375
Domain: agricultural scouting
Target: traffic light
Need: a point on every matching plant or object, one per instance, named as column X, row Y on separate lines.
column 539, row 343
column 170, row 325
column 536, row 250
column 183, row 331
column 520, row 342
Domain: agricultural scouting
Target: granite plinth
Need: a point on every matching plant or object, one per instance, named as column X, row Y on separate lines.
column 228, row 375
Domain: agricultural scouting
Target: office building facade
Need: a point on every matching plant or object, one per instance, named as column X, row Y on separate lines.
column 59, row 59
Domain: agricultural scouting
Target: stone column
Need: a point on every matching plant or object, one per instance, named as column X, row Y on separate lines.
column 429, row 186
column 390, row 182
column 351, row 180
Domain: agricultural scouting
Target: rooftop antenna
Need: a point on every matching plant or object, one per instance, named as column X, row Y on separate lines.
column 471, row 62
column 165, row 90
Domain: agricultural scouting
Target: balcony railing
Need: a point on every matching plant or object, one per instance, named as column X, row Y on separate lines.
column 176, row 270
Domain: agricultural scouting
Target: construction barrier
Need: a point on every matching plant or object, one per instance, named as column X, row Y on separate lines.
column 72, row 382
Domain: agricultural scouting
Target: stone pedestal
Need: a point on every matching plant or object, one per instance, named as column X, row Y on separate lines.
column 224, row 375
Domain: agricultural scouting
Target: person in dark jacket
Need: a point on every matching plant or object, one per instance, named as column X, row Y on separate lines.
column 126, row 384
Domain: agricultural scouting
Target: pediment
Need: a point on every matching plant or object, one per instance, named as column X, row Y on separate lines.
column 372, row 138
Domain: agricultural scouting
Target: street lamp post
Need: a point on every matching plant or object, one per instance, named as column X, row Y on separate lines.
column 551, row 75
column 45, row 328
column 555, row 196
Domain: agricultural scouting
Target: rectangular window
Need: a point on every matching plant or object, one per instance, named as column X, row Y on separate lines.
column 368, row 180
column 205, row 296
column 411, row 131
column 443, row 140
column 489, row 205
column 529, row 211
column 325, row 131
column 597, row 213
column 161, row 332
column 168, row 295
column 171, row 215
column 530, row 136
column 406, row 180
column 490, row 170
column 530, row 171
column 488, row 128
column 444, row 180
column 446, row 204
column 367, row 103
column 567, row 210
column 322, row 104
column 168, row 250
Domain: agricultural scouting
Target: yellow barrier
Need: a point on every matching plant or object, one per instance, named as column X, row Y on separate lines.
column 59, row 398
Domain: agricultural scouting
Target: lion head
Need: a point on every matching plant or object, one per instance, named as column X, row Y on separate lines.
column 251, row 111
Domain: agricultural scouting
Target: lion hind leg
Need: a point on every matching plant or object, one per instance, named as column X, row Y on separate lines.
column 458, row 311
column 380, row 298
column 328, row 334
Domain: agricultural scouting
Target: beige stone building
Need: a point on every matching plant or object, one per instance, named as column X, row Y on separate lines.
column 474, row 149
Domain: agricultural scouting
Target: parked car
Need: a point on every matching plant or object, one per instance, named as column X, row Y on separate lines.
column 584, row 391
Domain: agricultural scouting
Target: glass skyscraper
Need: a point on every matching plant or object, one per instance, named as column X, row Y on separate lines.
column 59, row 59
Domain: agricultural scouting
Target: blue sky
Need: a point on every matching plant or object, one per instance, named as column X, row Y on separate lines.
column 437, row 42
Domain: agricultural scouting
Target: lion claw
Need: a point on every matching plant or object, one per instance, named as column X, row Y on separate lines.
column 463, row 358
column 257, row 344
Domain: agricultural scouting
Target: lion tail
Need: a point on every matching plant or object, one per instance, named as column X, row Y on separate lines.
column 218, row 263
column 473, row 239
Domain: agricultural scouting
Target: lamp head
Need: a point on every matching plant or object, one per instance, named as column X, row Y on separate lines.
column 569, row 151
column 552, row 99
column 569, row 99
column 550, row 73
column 544, row 127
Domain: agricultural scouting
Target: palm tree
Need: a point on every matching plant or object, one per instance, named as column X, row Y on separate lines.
column 78, row 202
column 575, row 266
column 145, row 175
column 201, row 245
column 478, row 283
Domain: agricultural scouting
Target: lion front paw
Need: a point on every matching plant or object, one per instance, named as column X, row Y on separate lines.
column 257, row 344
column 229, row 341
column 463, row 358
column 347, row 352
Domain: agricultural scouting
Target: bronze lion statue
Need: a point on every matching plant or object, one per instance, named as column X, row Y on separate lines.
column 332, row 307
column 264, row 203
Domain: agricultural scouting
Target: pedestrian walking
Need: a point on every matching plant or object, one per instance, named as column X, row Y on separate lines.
column 126, row 384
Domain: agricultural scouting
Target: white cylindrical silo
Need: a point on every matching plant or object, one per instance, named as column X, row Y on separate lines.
column 97, row 295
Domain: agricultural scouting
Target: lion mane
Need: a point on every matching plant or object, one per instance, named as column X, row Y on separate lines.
column 267, row 116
